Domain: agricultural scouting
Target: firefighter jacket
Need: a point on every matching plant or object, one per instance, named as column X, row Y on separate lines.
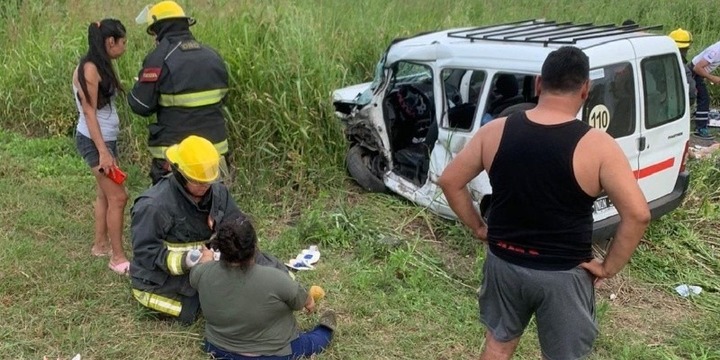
column 184, row 83
column 166, row 224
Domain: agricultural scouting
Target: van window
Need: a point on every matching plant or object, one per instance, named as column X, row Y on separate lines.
column 462, row 89
column 507, row 90
column 408, row 105
column 610, row 105
column 664, row 90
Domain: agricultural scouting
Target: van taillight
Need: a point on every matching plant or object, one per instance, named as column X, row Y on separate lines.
column 684, row 157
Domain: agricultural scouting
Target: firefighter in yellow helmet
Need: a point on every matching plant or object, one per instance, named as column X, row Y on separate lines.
column 171, row 224
column 168, row 85
column 683, row 39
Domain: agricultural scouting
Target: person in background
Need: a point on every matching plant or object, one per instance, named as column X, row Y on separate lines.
column 248, row 309
column 182, row 81
column 683, row 40
column 702, row 66
column 171, row 224
column 95, row 86
column 546, row 169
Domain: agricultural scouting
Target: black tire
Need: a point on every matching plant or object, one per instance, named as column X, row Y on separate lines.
column 358, row 165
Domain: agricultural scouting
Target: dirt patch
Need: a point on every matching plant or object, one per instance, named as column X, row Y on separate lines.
column 643, row 310
column 695, row 140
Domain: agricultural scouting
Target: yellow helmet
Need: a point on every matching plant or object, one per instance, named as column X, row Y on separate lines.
column 196, row 158
column 163, row 10
column 683, row 38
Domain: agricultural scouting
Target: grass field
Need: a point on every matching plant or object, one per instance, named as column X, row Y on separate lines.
column 402, row 280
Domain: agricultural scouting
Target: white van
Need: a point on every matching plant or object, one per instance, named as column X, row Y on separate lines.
column 431, row 92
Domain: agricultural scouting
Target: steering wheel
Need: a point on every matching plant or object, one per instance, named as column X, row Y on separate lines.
column 413, row 102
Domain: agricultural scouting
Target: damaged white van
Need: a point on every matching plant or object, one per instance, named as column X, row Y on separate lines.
column 433, row 91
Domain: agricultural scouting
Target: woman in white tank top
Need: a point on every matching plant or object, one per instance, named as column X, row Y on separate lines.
column 95, row 85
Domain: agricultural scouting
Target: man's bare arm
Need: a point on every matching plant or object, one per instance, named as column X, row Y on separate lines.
column 618, row 181
column 699, row 69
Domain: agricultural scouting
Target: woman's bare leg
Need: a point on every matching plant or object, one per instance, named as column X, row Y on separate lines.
column 101, row 247
column 116, row 198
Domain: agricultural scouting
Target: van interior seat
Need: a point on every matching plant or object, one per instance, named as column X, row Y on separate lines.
column 506, row 86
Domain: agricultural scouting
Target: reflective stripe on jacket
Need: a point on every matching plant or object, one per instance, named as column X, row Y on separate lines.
column 158, row 302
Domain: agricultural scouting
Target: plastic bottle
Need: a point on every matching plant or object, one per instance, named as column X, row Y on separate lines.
column 193, row 257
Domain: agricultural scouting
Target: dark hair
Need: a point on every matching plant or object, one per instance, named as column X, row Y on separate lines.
column 565, row 70
column 628, row 22
column 237, row 242
column 97, row 54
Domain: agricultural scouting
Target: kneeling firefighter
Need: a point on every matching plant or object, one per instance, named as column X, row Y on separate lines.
column 171, row 223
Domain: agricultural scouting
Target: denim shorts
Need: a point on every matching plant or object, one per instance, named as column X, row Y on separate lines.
column 86, row 148
column 563, row 303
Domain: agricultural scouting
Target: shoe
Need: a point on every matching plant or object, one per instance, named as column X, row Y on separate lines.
column 703, row 133
column 328, row 319
column 122, row 268
column 299, row 264
column 311, row 255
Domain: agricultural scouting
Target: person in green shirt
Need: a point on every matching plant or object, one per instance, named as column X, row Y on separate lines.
column 249, row 309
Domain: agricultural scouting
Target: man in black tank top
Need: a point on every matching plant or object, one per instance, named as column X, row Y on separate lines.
column 546, row 169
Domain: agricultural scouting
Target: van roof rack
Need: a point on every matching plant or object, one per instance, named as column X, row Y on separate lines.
column 546, row 32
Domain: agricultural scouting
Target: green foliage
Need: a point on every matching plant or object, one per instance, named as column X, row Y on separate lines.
column 285, row 58
column 687, row 236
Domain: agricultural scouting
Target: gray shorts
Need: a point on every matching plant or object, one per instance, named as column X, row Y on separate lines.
column 563, row 303
column 89, row 152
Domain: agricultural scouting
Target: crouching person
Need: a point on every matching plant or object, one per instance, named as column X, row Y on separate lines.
column 171, row 223
column 248, row 309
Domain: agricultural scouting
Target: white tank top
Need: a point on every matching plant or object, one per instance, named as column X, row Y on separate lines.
column 107, row 118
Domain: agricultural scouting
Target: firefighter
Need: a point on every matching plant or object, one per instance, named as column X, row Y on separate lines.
column 183, row 82
column 171, row 224
column 683, row 40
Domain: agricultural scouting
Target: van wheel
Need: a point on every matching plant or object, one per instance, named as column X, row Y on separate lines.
column 358, row 161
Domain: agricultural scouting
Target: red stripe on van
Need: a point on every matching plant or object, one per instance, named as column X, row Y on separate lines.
column 654, row 168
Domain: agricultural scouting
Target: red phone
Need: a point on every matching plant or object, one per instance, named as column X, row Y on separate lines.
column 115, row 174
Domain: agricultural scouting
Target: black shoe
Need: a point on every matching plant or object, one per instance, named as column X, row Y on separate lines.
column 328, row 320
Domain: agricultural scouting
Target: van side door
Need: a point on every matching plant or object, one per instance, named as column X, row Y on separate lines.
column 612, row 105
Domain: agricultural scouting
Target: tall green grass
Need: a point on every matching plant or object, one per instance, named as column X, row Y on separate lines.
column 285, row 58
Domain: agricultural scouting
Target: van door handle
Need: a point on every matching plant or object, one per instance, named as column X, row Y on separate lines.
column 642, row 143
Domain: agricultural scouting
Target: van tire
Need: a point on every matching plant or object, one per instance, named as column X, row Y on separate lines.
column 357, row 161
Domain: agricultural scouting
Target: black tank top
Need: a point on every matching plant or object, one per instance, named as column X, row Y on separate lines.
column 539, row 217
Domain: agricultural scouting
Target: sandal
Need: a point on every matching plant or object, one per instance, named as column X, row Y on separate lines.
column 310, row 255
column 121, row 269
column 299, row 264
